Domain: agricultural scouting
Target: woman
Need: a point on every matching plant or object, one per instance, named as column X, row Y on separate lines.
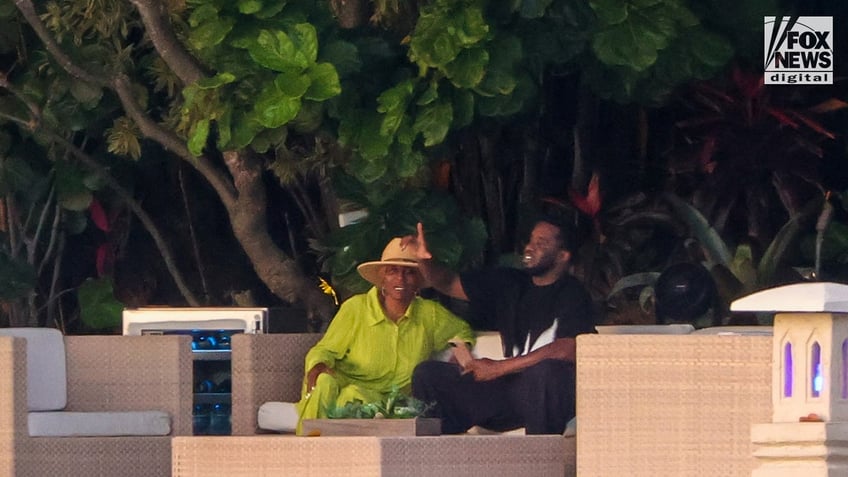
column 377, row 338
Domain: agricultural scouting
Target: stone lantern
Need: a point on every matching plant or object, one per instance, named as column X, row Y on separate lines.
column 808, row 434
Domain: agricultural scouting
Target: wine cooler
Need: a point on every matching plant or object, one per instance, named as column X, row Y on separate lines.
column 211, row 330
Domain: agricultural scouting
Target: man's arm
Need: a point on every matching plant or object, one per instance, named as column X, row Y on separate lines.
column 438, row 276
column 485, row 369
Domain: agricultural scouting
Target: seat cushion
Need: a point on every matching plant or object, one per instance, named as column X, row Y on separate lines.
column 95, row 424
column 277, row 416
column 47, row 382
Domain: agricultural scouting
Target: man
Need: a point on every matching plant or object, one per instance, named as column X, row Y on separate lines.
column 538, row 312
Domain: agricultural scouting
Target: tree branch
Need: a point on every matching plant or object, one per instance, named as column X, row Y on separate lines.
column 147, row 222
column 28, row 11
column 149, row 225
column 121, row 85
column 154, row 17
column 170, row 141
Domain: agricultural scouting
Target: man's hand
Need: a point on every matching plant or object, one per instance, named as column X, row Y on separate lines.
column 461, row 354
column 312, row 375
column 418, row 242
column 485, row 369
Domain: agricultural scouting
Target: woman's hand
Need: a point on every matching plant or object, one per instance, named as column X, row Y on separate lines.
column 312, row 375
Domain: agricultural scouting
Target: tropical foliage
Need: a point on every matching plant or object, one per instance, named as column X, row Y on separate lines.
column 457, row 113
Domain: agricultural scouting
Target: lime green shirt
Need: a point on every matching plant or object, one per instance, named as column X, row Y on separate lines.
column 370, row 350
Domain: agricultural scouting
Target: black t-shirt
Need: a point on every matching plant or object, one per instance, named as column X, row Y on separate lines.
column 528, row 316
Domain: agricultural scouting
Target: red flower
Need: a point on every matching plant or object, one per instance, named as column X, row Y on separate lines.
column 590, row 204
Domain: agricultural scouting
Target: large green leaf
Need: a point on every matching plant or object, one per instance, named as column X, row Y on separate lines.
column 407, row 162
column 508, row 104
column 305, row 40
column 197, row 137
column 505, row 54
column 468, row 69
column 406, row 134
column 610, row 12
column 216, row 81
column 369, row 170
column 463, row 108
column 443, row 30
column 269, row 139
column 98, row 307
column 204, row 13
column 244, row 130
column 274, row 108
column 86, row 93
column 269, row 9
column 783, row 240
column 324, row 82
column 225, row 131
column 701, row 229
column 276, row 51
column 393, row 103
column 70, row 186
column 248, row 7
column 210, row 32
column 620, row 45
column 292, row 84
column 372, row 144
column 429, row 95
column 710, row 48
column 433, row 122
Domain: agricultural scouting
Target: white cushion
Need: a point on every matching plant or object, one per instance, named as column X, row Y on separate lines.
column 93, row 424
column 571, row 428
column 736, row 330
column 47, row 388
column 488, row 345
column 672, row 329
column 277, row 416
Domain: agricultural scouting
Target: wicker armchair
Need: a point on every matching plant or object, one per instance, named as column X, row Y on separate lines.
column 265, row 368
column 664, row 405
column 104, row 374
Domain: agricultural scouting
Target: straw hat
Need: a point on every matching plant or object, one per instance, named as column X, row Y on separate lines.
column 392, row 255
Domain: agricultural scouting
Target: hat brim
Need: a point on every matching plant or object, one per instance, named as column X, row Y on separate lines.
column 371, row 270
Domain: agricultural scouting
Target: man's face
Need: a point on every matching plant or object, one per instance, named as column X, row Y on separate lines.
column 542, row 251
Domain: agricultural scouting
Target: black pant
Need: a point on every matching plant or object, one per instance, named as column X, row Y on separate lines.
column 539, row 398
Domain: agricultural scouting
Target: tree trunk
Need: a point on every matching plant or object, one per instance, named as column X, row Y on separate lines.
column 248, row 216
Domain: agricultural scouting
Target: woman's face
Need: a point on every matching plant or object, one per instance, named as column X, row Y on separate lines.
column 400, row 283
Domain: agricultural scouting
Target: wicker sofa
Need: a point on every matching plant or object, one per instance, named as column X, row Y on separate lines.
column 270, row 368
column 104, row 374
column 663, row 405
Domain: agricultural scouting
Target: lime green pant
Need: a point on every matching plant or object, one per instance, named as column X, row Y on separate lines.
column 331, row 391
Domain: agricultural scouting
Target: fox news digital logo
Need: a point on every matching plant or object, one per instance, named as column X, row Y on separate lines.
column 798, row 50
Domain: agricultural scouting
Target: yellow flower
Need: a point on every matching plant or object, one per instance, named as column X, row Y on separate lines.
column 329, row 290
